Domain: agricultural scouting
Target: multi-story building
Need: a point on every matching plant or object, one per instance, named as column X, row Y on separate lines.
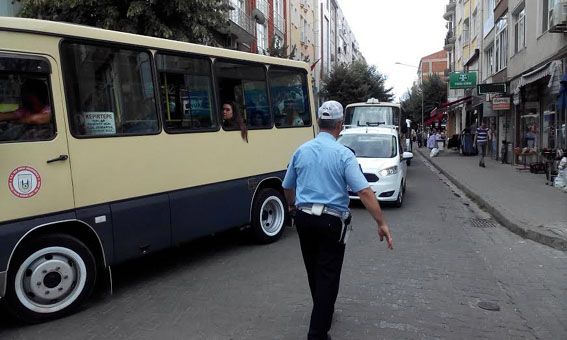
column 255, row 25
column 518, row 48
column 338, row 44
column 537, row 49
column 435, row 63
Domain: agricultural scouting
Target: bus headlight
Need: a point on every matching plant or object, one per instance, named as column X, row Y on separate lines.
column 389, row 171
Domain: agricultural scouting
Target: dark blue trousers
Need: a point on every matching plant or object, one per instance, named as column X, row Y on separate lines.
column 323, row 256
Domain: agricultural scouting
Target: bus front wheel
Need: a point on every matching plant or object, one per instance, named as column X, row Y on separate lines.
column 268, row 215
column 49, row 277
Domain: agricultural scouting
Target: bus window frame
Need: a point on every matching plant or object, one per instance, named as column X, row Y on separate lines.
column 214, row 92
column 105, row 43
column 305, row 74
column 244, row 62
column 48, row 74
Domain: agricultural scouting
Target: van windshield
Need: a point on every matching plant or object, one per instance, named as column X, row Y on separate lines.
column 371, row 115
column 371, row 145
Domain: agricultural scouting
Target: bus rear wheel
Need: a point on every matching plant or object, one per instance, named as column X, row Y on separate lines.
column 268, row 215
column 49, row 277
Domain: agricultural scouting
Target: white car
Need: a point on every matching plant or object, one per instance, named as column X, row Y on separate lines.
column 382, row 160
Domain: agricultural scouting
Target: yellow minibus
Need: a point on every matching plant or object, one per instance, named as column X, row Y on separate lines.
column 115, row 145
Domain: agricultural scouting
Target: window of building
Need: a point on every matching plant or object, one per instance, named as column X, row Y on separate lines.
column 473, row 25
column 466, row 31
column 25, row 102
column 261, row 38
column 186, row 93
column 501, row 44
column 490, row 60
column 520, row 30
column 110, row 90
column 245, row 86
column 290, row 97
column 547, row 14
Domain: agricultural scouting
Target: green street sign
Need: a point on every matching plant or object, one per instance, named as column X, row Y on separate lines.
column 462, row 80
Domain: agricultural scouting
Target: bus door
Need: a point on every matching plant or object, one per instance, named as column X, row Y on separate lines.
column 34, row 169
column 114, row 149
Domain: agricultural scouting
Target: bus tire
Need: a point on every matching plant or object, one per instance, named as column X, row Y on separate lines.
column 268, row 216
column 50, row 277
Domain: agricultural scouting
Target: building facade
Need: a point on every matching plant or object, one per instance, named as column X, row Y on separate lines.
column 519, row 48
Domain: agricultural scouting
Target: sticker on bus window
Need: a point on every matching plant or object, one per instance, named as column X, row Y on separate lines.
column 24, row 182
column 99, row 123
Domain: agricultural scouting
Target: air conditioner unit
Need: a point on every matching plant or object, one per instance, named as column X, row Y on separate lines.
column 559, row 17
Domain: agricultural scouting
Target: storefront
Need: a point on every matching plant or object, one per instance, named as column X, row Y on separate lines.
column 539, row 124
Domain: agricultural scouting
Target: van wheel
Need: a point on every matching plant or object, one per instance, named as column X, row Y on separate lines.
column 50, row 276
column 400, row 200
column 268, row 215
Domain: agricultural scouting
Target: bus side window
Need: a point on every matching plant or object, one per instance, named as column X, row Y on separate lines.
column 186, row 93
column 290, row 99
column 25, row 101
column 110, row 90
column 245, row 85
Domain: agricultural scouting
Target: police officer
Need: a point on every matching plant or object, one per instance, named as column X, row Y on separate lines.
column 315, row 187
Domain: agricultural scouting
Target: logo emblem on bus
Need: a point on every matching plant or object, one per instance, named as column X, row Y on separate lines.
column 24, row 182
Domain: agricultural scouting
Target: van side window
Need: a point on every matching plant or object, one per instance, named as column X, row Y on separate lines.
column 25, row 101
column 290, row 99
column 244, row 85
column 110, row 91
column 186, row 93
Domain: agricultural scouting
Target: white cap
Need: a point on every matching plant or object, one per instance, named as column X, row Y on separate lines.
column 330, row 110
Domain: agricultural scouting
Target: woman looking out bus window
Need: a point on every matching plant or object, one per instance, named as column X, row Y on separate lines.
column 232, row 119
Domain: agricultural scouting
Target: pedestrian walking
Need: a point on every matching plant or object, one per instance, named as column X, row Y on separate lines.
column 481, row 141
column 315, row 187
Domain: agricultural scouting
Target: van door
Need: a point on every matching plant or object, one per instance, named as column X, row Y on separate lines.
column 35, row 175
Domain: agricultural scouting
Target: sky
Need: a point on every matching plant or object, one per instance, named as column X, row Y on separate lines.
column 390, row 31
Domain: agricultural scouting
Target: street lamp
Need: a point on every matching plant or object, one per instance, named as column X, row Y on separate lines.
column 421, row 87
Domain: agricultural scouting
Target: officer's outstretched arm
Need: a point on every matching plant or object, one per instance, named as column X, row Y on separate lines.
column 371, row 203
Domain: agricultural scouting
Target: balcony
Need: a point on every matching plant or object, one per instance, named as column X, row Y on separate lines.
column 264, row 7
column 449, row 10
column 279, row 24
column 449, row 41
column 242, row 26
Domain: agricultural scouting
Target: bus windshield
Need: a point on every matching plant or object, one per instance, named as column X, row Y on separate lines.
column 371, row 115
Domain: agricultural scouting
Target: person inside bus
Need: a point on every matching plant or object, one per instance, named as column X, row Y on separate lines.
column 32, row 120
column 232, row 119
column 291, row 117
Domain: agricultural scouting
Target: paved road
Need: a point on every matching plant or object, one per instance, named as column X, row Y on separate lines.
column 429, row 287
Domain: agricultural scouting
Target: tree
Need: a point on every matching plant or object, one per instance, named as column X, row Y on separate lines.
column 435, row 93
column 356, row 82
column 183, row 20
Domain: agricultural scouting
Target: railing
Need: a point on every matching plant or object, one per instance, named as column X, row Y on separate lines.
column 264, row 7
column 279, row 23
column 243, row 20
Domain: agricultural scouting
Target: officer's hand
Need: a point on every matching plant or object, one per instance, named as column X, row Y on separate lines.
column 384, row 231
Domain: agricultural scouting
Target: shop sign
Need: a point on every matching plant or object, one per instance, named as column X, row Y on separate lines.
column 491, row 88
column 462, row 80
column 501, row 103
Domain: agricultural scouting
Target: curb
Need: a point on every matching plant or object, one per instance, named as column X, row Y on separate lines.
column 548, row 240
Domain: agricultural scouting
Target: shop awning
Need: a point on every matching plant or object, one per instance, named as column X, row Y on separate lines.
column 448, row 106
column 551, row 69
column 434, row 119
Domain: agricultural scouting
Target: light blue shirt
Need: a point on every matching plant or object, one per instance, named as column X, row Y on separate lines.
column 320, row 171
